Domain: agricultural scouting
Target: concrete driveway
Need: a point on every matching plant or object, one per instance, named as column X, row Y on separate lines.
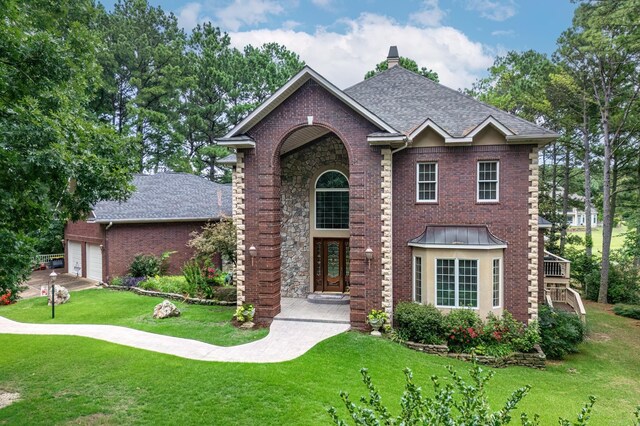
column 70, row 281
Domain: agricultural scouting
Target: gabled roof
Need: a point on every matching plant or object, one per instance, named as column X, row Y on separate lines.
column 168, row 197
column 458, row 236
column 407, row 100
column 288, row 89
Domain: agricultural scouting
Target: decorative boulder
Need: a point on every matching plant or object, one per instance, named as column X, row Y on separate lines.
column 61, row 296
column 165, row 309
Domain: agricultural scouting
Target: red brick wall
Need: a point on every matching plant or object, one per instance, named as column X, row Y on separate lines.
column 262, row 213
column 507, row 219
column 125, row 241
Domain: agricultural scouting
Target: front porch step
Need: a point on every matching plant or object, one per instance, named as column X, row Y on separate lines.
column 328, row 298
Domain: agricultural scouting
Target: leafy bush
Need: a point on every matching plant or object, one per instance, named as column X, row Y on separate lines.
column 6, row 298
column 166, row 284
column 456, row 403
column 117, row 281
column 560, row 332
column 148, row 265
column 630, row 311
column 463, row 328
column 419, row 323
column 506, row 330
column 215, row 238
column 462, row 318
column 196, row 280
column 132, row 281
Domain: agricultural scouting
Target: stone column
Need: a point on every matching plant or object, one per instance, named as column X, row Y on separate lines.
column 533, row 236
column 386, row 216
column 238, row 207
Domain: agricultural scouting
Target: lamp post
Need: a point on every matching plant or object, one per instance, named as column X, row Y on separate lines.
column 52, row 281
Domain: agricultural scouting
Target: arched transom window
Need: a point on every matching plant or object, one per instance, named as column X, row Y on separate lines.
column 332, row 201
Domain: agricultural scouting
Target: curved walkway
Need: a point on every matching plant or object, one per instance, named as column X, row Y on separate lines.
column 286, row 340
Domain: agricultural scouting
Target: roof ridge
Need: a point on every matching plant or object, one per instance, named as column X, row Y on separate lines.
column 372, row 77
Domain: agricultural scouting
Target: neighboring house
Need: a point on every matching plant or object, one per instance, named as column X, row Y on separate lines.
column 577, row 217
column 158, row 217
column 395, row 189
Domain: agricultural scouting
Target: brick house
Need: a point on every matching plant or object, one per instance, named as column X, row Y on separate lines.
column 395, row 189
column 163, row 211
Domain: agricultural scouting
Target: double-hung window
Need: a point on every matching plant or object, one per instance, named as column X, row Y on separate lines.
column 488, row 183
column 427, row 182
column 417, row 279
column 457, row 283
column 496, row 282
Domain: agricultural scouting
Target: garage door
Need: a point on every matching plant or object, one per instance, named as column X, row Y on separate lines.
column 94, row 262
column 75, row 258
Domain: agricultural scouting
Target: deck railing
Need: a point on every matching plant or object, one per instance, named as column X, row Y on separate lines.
column 44, row 259
column 575, row 301
column 556, row 267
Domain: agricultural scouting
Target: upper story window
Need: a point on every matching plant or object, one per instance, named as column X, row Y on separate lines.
column 427, row 182
column 488, row 187
column 332, row 201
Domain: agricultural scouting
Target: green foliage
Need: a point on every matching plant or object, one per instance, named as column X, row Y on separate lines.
column 116, row 281
column 560, row 332
column 148, row 265
column 196, row 280
column 506, row 330
column 215, row 238
column 166, row 284
column 630, row 311
column 56, row 159
column 408, row 64
column 456, row 403
column 463, row 318
column 245, row 312
column 419, row 323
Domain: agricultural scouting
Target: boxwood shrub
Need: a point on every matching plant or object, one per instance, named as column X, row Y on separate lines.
column 561, row 332
column 419, row 323
column 631, row 311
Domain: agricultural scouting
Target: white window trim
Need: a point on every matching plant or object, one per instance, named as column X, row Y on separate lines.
column 497, row 199
column 418, row 181
column 456, row 284
column 421, row 278
column 500, row 283
column 315, row 199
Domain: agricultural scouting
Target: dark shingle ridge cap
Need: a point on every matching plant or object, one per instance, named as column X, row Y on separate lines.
column 456, row 92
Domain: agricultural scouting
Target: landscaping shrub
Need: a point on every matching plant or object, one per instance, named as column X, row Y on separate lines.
column 117, row 281
column 462, row 318
column 148, row 265
column 6, row 298
column 560, row 332
column 196, row 280
column 456, row 403
column 419, row 323
column 132, row 281
column 166, row 284
column 630, row 311
column 463, row 328
column 215, row 238
column 506, row 330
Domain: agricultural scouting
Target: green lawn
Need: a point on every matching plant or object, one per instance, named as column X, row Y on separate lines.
column 74, row 380
column 617, row 237
column 209, row 324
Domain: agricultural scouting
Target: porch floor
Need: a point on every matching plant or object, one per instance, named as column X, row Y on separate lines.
column 298, row 309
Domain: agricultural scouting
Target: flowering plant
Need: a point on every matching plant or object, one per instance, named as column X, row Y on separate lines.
column 6, row 298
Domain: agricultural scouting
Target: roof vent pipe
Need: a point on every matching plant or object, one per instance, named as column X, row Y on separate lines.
column 393, row 58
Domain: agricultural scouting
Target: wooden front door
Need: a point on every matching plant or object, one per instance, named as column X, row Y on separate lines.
column 331, row 264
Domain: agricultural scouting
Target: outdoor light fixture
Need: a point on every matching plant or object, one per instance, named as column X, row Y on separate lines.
column 368, row 253
column 253, row 251
column 52, row 282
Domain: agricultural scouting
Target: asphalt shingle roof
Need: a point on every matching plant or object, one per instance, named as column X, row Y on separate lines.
column 165, row 196
column 405, row 100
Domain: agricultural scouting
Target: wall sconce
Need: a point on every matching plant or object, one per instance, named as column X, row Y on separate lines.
column 368, row 253
column 101, row 247
column 62, row 242
column 253, row 252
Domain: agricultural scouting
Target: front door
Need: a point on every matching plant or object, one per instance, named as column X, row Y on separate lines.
column 331, row 264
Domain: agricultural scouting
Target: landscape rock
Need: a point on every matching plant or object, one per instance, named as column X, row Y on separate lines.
column 61, row 296
column 165, row 309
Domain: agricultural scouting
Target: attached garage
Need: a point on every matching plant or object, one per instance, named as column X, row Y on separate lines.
column 75, row 258
column 94, row 262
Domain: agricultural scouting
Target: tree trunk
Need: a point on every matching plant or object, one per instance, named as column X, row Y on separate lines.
column 565, row 200
column 588, row 239
column 607, row 219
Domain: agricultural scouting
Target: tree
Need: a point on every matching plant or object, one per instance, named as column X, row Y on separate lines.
column 143, row 67
column 604, row 41
column 215, row 238
column 56, row 159
column 405, row 63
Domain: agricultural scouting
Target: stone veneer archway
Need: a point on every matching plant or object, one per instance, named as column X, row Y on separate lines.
column 299, row 168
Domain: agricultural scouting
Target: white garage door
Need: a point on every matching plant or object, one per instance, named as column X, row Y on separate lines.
column 94, row 262
column 75, row 258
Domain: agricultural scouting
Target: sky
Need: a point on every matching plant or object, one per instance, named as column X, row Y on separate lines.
column 343, row 39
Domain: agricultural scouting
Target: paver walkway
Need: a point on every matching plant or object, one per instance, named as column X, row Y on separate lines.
column 287, row 339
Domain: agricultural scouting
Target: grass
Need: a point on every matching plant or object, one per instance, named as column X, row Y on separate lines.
column 209, row 324
column 617, row 237
column 74, row 380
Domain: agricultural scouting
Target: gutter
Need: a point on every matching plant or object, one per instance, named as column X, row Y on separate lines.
column 111, row 222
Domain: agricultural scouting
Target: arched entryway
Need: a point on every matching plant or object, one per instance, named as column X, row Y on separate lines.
column 314, row 188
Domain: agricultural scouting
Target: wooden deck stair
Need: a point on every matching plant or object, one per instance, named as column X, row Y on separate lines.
column 557, row 286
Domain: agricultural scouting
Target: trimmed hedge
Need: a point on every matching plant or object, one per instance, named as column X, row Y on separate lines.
column 629, row 311
column 419, row 323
